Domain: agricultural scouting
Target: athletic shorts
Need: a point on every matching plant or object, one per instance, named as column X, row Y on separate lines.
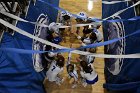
column 93, row 81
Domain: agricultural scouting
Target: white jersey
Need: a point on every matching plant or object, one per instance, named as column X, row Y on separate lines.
column 85, row 41
column 99, row 35
column 53, row 71
column 89, row 76
column 74, row 74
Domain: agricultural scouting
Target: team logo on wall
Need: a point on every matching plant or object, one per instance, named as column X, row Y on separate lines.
column 40, row 32
column 136, row 8
column 116, row 30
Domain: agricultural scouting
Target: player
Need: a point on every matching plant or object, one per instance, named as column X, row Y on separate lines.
column 72, row 72
column 73, row 75
column 54, row 37
column 95, row 24
column 81, row 19
column 93, row 37
column 91, row 33
column 55, row 69
column 95, row 30
column 54, row 33
column 88, row 74
column 65, row 19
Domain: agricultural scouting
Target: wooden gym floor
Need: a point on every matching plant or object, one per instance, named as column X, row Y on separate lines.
column 76, row 6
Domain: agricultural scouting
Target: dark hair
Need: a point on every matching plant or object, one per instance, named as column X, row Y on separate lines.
column 86, row 67
column 87, row 31
column 70, row 66
column 61, row 29
column 78, row 19
column 60, row 61
column 92, row 50
column 98, row 27
column 93, row 36
column 66, row 17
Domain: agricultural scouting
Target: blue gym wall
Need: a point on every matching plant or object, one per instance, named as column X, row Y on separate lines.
column 121, row 74
column 17, row 74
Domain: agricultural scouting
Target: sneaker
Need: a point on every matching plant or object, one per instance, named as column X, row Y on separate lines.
column 62, row 80
column 84, row 84
column 38, row 69
column 58, row 83
column 74, row 86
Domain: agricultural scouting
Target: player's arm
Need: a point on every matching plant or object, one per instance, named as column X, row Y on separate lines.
column 59, row 19
column 75, row 76
column 82, row 74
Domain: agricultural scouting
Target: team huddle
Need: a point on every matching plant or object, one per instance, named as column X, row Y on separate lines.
column 53, row 63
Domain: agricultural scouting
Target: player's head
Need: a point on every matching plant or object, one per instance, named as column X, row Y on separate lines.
column 92, row 50
column 81, row 17
column 55, row 32
column 60, row 61
column 96, row 25
column 86, row 67
column 66, row 15
column 70, row 68
column 89, row 20
column 83, row 64
column 54, row 28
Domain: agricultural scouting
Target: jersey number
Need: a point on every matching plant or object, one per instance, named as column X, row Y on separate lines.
column 53, row 68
